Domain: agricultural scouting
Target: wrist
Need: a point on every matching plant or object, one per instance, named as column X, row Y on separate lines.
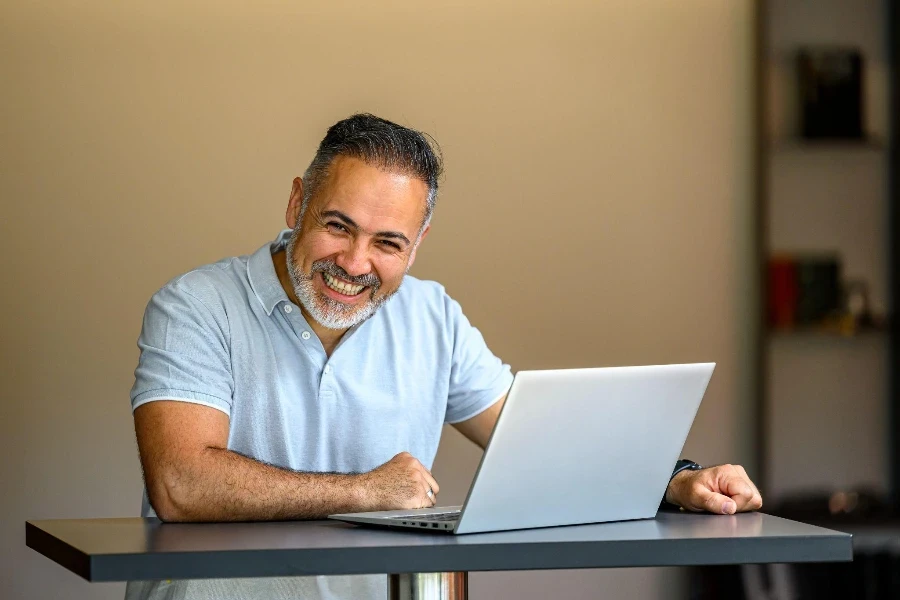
column 680, row 473
column 674, row 484
column 359, row 492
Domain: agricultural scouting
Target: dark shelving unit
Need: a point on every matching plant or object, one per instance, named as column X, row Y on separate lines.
column 893, row 39
column 876, row 528
column 769, row 147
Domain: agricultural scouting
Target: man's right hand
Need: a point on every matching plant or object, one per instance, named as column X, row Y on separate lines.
column 402, row 483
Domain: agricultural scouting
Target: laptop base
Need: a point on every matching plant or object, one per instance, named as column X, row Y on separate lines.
column 439, row 519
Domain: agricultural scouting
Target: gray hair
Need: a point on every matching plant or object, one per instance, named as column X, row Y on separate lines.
column 381, row 143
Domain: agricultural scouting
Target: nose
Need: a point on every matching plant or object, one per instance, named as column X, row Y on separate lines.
column 355, row 259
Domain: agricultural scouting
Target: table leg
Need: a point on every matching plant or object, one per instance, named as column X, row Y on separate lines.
column 428, row 586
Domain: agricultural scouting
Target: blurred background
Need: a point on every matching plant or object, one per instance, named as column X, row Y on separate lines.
column 626, row 183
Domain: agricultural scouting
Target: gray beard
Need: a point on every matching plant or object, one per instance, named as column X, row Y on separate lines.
column 327, row 312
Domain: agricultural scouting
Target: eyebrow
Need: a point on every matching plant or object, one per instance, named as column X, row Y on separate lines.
column 395, row 235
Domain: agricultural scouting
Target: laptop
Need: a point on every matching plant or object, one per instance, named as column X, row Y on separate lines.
column 572, row 446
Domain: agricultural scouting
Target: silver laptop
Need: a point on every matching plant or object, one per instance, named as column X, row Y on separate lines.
column 572, row 446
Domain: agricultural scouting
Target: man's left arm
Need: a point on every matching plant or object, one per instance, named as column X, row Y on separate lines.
column 723, row 489
column 478, row 429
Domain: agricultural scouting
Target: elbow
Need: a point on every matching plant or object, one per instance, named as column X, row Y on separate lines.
column 168, row 500
column 166, row 512
column 177, row 491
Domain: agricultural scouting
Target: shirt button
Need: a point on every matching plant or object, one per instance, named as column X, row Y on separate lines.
column 305, row 335
column 288, row 308
column 327, row 369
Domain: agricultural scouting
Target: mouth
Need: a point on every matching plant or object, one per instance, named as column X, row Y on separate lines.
column 341, row 288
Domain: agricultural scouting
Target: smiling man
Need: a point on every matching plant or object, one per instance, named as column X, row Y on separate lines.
column 314, row 376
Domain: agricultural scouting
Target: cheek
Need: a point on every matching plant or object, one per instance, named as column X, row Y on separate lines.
column 318, row 246
column 390, row 270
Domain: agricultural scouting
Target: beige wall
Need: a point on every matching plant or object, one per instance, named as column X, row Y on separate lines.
column 594, row 213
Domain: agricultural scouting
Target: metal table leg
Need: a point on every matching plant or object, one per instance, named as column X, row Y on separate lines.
column 429, row 586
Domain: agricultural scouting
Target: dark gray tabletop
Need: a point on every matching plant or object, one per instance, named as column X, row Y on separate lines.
column 124, row 549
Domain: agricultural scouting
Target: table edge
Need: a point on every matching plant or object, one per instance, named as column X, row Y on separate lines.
column 221, row 564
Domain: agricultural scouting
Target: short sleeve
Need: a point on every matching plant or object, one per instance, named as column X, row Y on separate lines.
column 185, row 355
column 477, row 378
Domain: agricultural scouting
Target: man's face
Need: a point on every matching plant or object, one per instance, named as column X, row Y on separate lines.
column 356, row 241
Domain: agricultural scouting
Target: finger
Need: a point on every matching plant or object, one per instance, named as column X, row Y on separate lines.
column 734, row 483
column 428, row 498
column 432, row 482
column 756, row 501
column 713, row 502
column 428, row 477
column 430, row 492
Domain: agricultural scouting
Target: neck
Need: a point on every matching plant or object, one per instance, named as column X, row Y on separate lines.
column 328, row 337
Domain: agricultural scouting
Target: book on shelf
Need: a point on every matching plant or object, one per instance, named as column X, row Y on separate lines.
column 830, row 84
column 804, row 290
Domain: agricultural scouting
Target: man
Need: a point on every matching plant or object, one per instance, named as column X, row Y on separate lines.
column 305, row 380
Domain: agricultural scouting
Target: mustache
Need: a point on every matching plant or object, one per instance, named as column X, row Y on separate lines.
column 328, row 266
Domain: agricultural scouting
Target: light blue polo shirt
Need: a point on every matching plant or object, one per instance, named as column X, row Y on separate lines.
column 226, row 336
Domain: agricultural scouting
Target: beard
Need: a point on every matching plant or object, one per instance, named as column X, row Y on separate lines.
column 326, row 311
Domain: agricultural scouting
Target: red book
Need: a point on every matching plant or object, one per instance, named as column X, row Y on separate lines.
column 783, row 292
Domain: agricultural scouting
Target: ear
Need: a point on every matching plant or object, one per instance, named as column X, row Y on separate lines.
column 294, row 204
column 412, row 257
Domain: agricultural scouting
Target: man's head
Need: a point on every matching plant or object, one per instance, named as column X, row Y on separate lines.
column 358, row 216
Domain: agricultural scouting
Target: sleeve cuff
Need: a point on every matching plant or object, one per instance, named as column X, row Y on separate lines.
column 181, row 396
column 479, row 404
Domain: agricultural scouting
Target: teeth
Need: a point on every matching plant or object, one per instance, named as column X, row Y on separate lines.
column 339, row 286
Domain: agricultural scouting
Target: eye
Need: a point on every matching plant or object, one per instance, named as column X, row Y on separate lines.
column 335, row 226
column 391, row 245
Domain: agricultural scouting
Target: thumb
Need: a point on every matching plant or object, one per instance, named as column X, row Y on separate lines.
column 715, row 503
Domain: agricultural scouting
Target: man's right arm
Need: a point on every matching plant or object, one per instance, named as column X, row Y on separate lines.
column 191, row 475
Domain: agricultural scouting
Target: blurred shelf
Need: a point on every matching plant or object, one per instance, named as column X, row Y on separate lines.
column 809, row 145
column 787, row 56
column 826, row 333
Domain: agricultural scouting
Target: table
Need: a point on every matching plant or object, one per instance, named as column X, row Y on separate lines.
column 419, row 565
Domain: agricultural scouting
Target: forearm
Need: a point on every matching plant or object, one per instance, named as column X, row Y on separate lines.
column 221, row 485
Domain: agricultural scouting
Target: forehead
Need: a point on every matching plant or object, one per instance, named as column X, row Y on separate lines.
column 376, row 199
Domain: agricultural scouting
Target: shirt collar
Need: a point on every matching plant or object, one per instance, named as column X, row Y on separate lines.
column 261, row 271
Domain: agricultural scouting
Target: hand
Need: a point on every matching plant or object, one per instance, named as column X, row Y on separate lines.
column 724, row 490
column 402, row 483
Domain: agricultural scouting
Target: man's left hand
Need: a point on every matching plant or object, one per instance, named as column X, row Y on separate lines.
column 723, row 490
